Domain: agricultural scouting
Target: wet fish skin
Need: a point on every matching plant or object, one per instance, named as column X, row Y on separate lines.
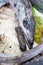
column 21, row 38
column 38, row 4
column 29, row 24
column 25, row 12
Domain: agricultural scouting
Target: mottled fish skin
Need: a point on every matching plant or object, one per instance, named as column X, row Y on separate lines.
column 23, row 11
column 38, row 4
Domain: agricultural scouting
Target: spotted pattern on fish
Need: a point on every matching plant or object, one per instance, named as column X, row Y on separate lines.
column 24, row 16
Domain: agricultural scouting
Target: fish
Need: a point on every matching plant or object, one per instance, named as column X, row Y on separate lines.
column 24, row 16
column 26, row 21
column 38, row 4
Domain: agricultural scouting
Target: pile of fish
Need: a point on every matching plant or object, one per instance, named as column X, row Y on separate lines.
column 25, row 20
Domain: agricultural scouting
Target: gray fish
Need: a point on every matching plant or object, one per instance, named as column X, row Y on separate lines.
column 26, row 20
column 38, row 4
column 24, row 16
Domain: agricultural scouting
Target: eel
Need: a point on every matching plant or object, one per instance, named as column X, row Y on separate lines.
column 25, row 19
